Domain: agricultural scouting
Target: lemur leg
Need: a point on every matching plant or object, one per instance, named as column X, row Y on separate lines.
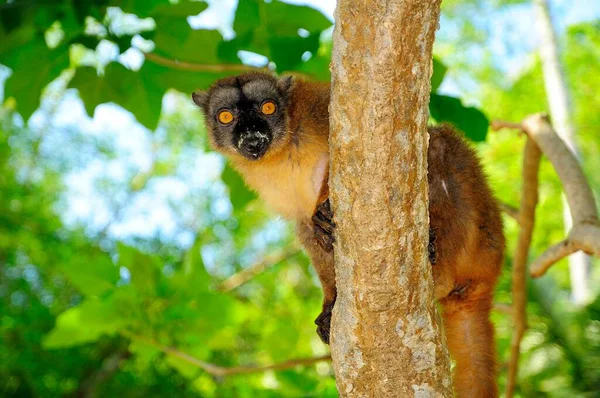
column 470, row 339
column 316, row 236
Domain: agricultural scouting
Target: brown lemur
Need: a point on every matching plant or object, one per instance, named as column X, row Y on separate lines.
column 275, row 132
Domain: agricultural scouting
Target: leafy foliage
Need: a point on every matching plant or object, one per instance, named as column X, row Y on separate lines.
column 281, row 32
column 96, row 304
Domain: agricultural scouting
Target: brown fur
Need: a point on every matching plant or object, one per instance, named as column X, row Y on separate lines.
column 464, row 218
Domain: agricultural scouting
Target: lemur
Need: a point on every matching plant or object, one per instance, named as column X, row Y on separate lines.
column 275, row 132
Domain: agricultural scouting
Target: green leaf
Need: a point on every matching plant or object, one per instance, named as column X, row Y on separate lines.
column 184, row 367
column 193, row 267
column 92, row 275
column 84, row 323
column 174, row 39
column 239, row 194
column 271, row 29
column 34, row 66
column 137, row 92
column 317, row 67
column 439, row 71
column 145, row 270
column 184, row 81
column 154, row 8
column 182, row 9
column 471, row 121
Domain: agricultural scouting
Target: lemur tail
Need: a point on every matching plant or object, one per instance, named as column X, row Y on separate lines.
column 470, row 339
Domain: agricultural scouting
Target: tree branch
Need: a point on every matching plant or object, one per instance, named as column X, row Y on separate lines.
column 582, row 237
column 510, row 211
column 529, row 199
column 192, row 67
column 585, row 234
column 220, row 371
column 245, row 275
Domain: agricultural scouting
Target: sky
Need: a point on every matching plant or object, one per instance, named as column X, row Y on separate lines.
column 152, row 213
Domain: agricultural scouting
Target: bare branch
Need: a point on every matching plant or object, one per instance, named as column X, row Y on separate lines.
column 578, row 192
column 510, row 211
column 220, row 371
column 497, row 125
column 246, row 274
column 529, row 199
column 582, row 237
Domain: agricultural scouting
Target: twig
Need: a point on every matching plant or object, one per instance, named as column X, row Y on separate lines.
column 245, row 275
column 510, row 211
column 220, row 371
column 501, row 124
column 584, row 237
column 216, row 68
column 189, row 66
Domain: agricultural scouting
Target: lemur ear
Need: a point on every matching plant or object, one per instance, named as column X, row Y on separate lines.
column 200, row 98
column 285, row 83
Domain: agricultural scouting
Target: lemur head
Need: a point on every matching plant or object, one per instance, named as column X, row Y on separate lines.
column 245, row 114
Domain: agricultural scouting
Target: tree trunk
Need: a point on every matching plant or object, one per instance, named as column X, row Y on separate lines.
column 557, row 94
column 386, row 332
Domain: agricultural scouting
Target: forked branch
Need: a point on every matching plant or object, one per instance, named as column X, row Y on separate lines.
column 585, row 234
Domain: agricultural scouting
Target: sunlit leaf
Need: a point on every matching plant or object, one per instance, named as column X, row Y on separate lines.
column 471, row 121
column 33, row 66
column 439, row 71
column 84, row 323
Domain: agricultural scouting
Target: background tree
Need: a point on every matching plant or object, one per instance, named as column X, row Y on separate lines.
column 559, row 101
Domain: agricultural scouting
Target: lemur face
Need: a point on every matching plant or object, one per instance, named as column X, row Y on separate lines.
column 245, row 114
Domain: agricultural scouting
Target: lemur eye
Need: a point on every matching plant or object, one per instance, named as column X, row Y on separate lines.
column 225, row 117
column 268, row 108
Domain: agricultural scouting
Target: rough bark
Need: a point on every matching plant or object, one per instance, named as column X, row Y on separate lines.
column 386, row 332
column 557, row 93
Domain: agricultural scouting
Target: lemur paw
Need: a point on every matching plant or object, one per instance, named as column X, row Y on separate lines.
column 324, row 226
column 431, row 246
column 323, row 322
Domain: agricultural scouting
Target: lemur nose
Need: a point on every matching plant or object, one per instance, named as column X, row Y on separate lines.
column 254, row 144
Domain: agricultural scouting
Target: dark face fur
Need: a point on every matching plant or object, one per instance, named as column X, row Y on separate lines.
column 246, row 114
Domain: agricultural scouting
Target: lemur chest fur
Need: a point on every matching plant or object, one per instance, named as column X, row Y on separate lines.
column 289, row 184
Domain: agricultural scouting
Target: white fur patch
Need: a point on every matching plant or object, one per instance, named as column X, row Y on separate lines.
column 445, row 188
column 319, row 172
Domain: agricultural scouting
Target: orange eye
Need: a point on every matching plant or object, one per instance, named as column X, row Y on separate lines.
column 268, row 108
column 225, row 117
